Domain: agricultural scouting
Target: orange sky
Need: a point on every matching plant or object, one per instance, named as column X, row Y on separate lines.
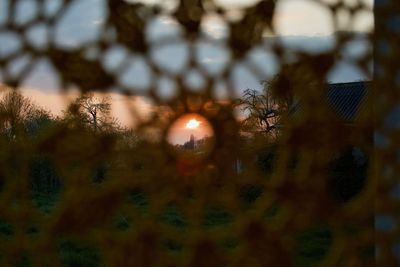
column 55, row 102
column 180, row 133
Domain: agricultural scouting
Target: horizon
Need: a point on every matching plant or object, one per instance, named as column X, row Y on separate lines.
column 197, row 133
column 179, row 132
column 77, row 27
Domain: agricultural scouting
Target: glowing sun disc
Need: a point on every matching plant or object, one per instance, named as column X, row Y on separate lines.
column 192, row 124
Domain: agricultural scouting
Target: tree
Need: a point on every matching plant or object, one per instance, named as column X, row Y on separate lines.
column 38, row 123
column 95, row 112
column 263, row 110
column 18, row 114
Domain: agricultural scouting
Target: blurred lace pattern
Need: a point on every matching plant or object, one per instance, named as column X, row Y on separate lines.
column 126, row 202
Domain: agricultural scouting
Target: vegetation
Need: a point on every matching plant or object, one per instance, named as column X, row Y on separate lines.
column 265, row 109
column 93, row 112
column 21, row 120
column 312, row 245
column 20, row 116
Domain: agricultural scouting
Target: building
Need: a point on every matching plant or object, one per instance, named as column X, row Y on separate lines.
column 348, row 100
column 346, row 105
column 190, row 144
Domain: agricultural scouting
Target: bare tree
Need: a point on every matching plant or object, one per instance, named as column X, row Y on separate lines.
column 93, row 111
column 263, row 111
column 15, row 113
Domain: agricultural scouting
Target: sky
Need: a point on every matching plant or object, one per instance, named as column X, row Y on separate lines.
column 187, row 125
column 302, row 24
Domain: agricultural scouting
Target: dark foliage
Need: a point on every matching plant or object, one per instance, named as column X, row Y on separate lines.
column 348, row 175
column 313, row 244
column 249, row 193
column 100, row 172
column 43, row 175
column 265, row 160
column 74, row 255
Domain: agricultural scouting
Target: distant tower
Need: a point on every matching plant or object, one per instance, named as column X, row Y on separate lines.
column 191, row 142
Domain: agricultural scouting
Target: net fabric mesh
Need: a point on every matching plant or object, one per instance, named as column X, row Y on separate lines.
column 264, row 233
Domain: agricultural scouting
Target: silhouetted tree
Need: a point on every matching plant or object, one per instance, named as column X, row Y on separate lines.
column 263, row 110
column 19, row 115
column 90, row 110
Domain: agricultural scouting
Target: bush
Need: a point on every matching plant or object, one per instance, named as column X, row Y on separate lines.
column 348, row 175
column 43, row 176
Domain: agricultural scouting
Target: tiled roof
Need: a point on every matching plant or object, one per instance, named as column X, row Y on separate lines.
column 347, row 100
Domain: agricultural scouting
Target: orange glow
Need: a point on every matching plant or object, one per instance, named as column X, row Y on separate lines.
column 187, row 125
column 193, row 124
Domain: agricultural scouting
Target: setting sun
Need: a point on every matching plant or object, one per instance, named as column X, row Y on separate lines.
column 188, row 125
column 193, row 124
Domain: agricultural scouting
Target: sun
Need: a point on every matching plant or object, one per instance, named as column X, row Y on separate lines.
column 193, row 124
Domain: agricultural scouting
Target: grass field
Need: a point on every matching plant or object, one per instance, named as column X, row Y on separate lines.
column 312, row 246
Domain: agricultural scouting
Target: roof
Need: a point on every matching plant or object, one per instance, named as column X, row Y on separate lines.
column 347, row 99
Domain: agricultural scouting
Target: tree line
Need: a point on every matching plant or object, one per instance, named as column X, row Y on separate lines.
column 19, row 115
column 24, row 123
column 22, row 120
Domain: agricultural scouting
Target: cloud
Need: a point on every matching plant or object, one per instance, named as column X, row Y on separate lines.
column 214, row 26
column 208, row 60
column 166, row 20
column 98, row 21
